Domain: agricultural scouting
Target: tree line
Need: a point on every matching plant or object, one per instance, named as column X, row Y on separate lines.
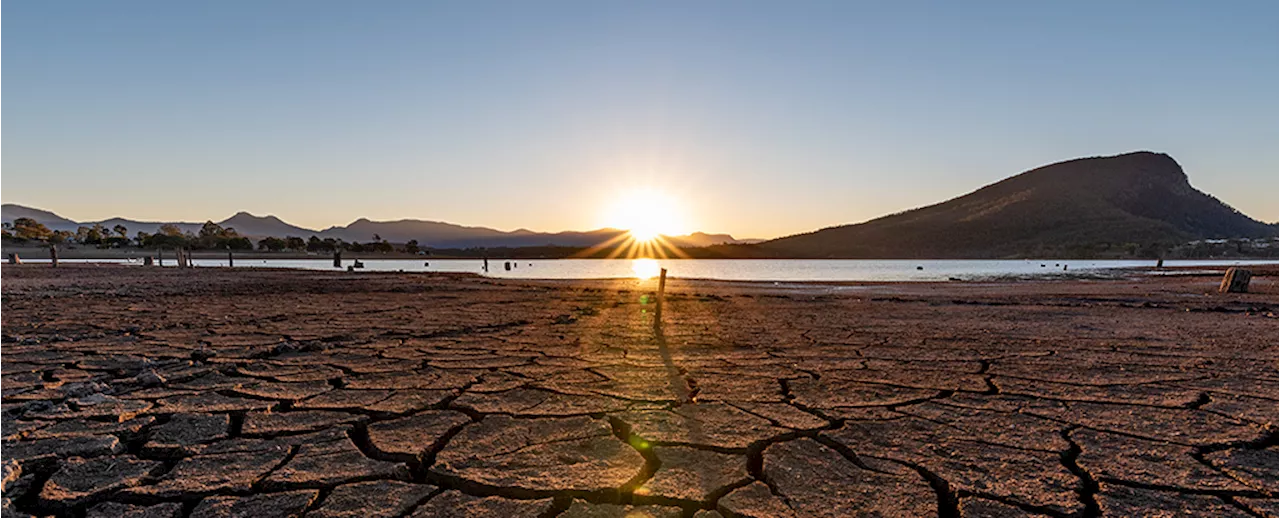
column 211, row 236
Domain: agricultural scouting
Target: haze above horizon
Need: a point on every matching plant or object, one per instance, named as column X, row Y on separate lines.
column 758, row 121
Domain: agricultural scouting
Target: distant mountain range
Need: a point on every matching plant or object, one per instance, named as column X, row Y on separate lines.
column 1140, row 197
column 1055, row 210
column 428, row 233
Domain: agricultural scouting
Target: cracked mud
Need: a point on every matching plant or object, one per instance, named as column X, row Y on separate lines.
column 215, row 393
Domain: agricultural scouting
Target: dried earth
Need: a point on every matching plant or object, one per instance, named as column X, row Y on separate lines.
column 131, row 391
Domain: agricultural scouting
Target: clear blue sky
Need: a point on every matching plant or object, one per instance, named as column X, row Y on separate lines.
column 762, row 119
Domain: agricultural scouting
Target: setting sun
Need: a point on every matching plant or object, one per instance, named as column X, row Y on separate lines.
column 646, row 214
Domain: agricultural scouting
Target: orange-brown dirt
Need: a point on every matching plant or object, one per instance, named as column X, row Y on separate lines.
column 219, row 393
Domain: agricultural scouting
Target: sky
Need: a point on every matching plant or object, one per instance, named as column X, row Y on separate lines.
column 759, row 119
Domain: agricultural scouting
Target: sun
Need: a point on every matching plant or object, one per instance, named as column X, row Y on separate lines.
column 646, row 214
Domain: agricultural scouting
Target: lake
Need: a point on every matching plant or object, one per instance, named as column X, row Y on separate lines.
column 729, row 269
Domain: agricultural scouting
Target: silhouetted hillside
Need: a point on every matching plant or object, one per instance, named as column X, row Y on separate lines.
column 435, row 234
column 1138, row 198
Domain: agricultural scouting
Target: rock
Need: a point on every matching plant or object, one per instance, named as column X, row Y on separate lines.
column 410, row 437
column 1265, row 507
column 343, row 399
column 45, row 450
column 836, row 394
column 1032, row 477
column 206, row 474
column 11, row 471
column 278, row 390
column 1116, row 457
column 211, row 402
column 581, row 509
column 8, row 510
column 118, row 510
column 95, row 408
column 337, row 462
column 455, row 504
column 706, row 424
column 1236, row 280
column 375, row 499
column 1116, row 500
column 184, row 431
column 552, row 454
column 14, row 429
column 535, row 402
column 274, row 423
column 755, row 501
column 81, row 481
column 971, row 507
column 1254, row 468
column 83, row 428
column 271, row 505
column 817, row 481
column 149, row 378
column 689, row 474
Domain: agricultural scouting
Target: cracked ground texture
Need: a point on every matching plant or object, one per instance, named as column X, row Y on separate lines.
column 149, row 392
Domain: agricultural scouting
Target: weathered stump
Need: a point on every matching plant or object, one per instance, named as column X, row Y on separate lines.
column 337, row 259
column 148, row 261
column 53, row 256
column 1236, row 280
column 231, row 262
column 662, row 295
column 14, row 259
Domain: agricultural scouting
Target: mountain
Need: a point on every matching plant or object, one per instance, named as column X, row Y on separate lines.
column 435, row 234
column 1140, row 197
column 11, row 211
column 249, row 225
column 448, row 235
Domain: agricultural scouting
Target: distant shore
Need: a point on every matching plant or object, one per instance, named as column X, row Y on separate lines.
column 89, row 252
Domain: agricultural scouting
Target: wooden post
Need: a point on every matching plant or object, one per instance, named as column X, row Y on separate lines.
column 53, row 256
column 1159, row 263
column 231, row 262
column 14, row 259
column 160, row 256
column 662, row 288
column 1236, row 280
column 148, row 261
column 337, row 259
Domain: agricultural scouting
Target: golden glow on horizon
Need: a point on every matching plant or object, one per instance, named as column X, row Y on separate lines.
column 647, row 214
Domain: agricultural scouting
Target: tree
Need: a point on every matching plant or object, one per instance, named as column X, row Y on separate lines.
column 295, row 243
column 30, row 229
column 239, row 243
column 58, row 237
column 273, row 244
column 169, row 229
column 377, row 237
column 121, row 230
column 411, row 246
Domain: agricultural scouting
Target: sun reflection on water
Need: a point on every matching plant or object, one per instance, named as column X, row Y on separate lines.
column 645, row 268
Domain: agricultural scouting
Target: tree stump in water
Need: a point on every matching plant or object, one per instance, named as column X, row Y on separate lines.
column 1235, row 281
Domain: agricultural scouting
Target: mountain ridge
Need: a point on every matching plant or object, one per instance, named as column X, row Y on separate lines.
column 1140, row 197
column 431, row 233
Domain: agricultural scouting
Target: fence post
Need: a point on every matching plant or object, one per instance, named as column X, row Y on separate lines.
column 662, row 288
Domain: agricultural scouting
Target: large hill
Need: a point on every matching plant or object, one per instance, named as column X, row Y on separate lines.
column 1140, row 197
